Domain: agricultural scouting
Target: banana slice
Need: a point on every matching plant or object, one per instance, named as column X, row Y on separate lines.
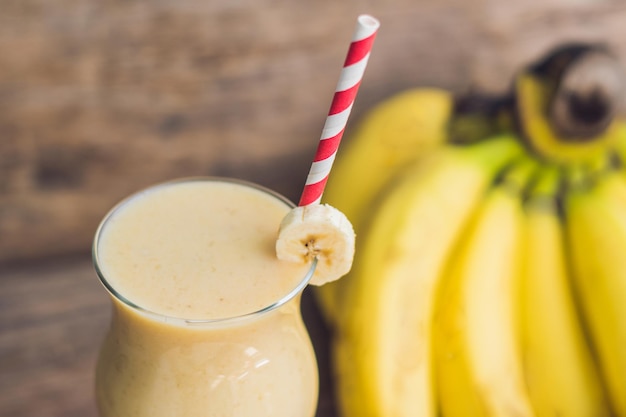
column 317, row 231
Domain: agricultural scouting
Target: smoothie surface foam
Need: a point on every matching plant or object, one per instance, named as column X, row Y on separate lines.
column 197, row 249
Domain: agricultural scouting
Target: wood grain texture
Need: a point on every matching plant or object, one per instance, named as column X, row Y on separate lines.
column 53, row 317
column 101, row 98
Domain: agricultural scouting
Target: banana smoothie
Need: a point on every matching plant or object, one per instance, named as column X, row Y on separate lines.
column 206, row 320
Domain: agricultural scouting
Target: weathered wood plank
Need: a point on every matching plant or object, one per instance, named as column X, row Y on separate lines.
column 100, row 98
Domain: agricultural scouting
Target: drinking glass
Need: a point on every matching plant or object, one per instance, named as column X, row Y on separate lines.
column 256, row 364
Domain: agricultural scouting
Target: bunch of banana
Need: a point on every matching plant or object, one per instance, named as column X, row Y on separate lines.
column 488, row 278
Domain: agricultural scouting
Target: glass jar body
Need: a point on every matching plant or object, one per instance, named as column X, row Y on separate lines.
column 263, row 367
column 206, row 320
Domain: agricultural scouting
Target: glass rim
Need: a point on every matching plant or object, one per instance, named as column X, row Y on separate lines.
column 229, row 320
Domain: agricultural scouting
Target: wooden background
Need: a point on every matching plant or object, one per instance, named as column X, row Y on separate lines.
column 99, row 98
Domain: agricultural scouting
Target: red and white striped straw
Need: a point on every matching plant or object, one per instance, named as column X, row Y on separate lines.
column 343, row 99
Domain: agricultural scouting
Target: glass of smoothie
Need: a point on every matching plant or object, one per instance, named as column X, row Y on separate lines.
column 206, row 276
column 206, row 320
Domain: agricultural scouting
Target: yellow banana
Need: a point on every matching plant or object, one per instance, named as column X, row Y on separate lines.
column 560, row 372
column 566, row 105
column 478, row 361
column 539, row 132
column 468, row 296
column 383, row 353
column 393, row 134
column 596, row 236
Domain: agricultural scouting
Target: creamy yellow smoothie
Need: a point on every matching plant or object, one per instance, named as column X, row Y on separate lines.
column 206, row 320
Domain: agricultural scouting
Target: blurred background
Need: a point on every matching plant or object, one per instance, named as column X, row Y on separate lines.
column 99, row 98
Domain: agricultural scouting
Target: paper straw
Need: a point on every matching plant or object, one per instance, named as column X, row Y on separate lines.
column 343, row 99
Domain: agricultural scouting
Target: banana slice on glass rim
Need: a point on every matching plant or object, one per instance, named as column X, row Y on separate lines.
column 317, row 231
